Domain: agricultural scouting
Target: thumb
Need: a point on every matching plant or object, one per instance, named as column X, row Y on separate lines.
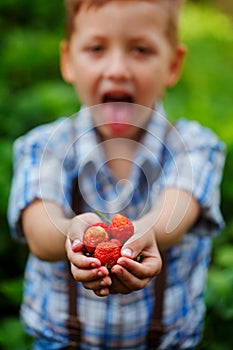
column 78, row 226
column 132, row 248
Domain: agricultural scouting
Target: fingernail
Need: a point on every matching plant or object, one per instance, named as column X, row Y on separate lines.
column 93, row 265
column 76, row 244
column 127, row 252
column 100, row 274
column 104, row 292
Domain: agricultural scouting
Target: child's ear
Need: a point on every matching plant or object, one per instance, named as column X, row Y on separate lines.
column 65, row 64
column 176, row 65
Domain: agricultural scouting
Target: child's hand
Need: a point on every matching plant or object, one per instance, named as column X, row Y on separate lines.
column 129, row 275
column 89, row 271
column 124, row 277
column 86, row 270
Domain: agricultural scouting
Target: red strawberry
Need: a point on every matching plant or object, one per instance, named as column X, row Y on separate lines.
column 101, row 224
column 108, row 252
column 93, row 236
column 121, row 228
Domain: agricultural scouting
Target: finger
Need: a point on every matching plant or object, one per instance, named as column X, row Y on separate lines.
column 79, row 224
column 103, row 292
column 118, row 287
column 128, row 282
column 82, row 275
column 132, row 248
column 75, row 246
column 148, row 268
column 81, row 261
column 88, row 275
column 98, row 284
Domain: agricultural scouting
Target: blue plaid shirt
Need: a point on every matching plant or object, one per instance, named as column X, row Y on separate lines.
column 46, row 161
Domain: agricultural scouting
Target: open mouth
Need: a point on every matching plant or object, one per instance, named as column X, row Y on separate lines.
column 118, row 98
column 117, row 111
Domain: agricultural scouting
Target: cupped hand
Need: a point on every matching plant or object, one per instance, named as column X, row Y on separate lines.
column 86, row 270
column 129, row 275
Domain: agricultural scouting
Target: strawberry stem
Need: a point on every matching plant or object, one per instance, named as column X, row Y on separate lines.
column 102, row 216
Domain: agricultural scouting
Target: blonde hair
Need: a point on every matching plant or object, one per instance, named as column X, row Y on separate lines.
column 172, row 8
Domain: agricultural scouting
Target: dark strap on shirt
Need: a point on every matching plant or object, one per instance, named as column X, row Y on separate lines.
column 73, row 323
column 157, row 328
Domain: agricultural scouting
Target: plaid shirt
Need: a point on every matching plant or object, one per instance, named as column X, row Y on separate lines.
column 46, row 161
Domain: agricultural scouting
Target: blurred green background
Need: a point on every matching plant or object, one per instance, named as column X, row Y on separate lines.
column 32, row 92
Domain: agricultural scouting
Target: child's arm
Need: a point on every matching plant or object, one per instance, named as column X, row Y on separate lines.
column 44, row 226
column 175, row 212
column 46, row 229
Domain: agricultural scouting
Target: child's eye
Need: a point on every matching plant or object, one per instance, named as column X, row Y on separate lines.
column 95, row 48
column 142, row 50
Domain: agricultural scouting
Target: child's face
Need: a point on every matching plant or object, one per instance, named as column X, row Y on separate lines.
column 119, row 52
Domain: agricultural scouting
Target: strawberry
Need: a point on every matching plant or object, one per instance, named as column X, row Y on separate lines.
column 121, row 228
column 101, row 224
column 108, row 252
column 94, row 235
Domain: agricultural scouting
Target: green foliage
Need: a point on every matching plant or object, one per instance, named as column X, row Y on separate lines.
column 219, row 318
column 12, row 336
column 32, row 92
column 205, row 93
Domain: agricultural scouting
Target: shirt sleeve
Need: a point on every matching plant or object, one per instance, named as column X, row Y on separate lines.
column 40, row 171
column 193, row 161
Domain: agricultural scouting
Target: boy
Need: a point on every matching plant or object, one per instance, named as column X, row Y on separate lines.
column 120, row 56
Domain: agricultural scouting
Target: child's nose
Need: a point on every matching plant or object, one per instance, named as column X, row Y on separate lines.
column 117, row 66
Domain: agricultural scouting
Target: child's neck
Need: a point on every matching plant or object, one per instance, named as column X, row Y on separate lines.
column 119, row 155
